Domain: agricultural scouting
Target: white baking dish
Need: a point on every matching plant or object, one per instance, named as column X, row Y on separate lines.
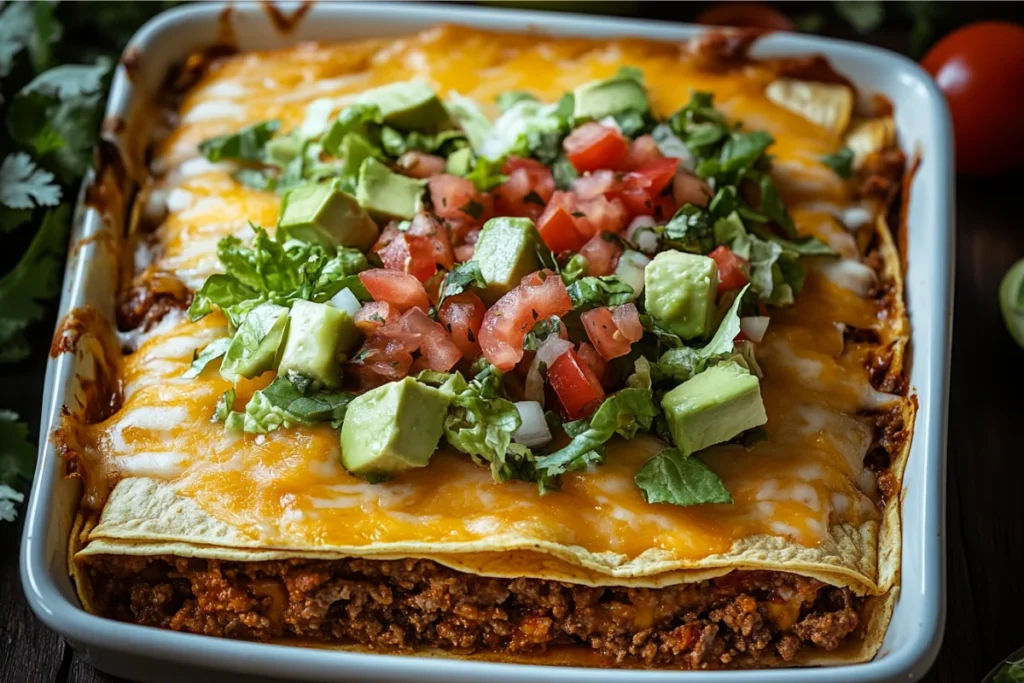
column 149, row 654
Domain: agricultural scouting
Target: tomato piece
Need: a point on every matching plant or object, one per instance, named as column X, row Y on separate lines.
column 601, row 214
column 602, row 252
column 387, row 235
column 752, row 14
column 528, row 189
column 643, row 150
column 401, row 290
column 593, row 146
column 732, row 269
column 420, row 165
column 437, row 349
column 664, row 208
column 557, row 226
column 457, row 198
column 980, row 69
column 599, row 183
column 373, row 315
column 462, row 315
column 411, row 254
column 425, row 225
column 604, row 333
column 593, row 360
column 654, row 176
column 539, row 295
column 577, row 387
column 627, row 319
column 464, row 252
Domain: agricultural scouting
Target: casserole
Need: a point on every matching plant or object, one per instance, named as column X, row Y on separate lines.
column 243, row 16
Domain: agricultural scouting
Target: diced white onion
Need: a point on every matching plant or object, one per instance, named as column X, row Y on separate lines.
column 549, row 349
column 346, row 301
column 533, row 431
column 610, row 122
column 631, row 270
column 855, row 217
column 754, row 327
column 641, row 234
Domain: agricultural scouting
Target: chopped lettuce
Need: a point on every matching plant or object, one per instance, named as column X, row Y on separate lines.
column 200, row 359
column 247, row 144
column 683, row 362
column 671, row 477
column 283, row 404
column 592, row 292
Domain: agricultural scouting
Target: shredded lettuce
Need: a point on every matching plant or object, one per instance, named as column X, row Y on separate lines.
column 200, row 359
column 247, row 144
column 283, row 404
column 683, row 362
column 671, row 477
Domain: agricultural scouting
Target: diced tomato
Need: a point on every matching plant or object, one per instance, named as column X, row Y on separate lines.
column 604, row 182
column 732, row 269
column 464, row 252
column 420, row 165
column 425, row 225
column 601, row 214
column 527, row 190
column 664, row 207
column 593, row 146
column 435, row 346
column 641, row 151
column 655, row 175
column 627, row 319
column 613, row 332
column 457, row 198
column 538, row 296
column 461, row 315
column 603, row 333
column 557, row 225
column 387, row 235
column 577, row 387
column 589, row 355
column 373, row 315
column 602, row 253
column 401, row 290
column 411, row 254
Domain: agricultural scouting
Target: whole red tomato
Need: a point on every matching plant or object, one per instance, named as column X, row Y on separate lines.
column 980, row 68
column 752, row 14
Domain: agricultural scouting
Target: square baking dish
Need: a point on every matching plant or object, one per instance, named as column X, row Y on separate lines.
column 149, row 654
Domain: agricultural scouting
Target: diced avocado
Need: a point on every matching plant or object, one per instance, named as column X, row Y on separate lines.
column 607, row 97
column 460, row 162
column 714, row 406
column 325, row 214
column 317, row 333
column 388, row 195
column 392, row 428
column 506, row 252
column 679, row 290
column 354, row 149
column 256, row 344
column 408, row 106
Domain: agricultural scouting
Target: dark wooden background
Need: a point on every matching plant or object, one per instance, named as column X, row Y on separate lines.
column 985, row 500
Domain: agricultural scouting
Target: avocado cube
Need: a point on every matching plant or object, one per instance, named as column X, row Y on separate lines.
column 716, row 405
column 595, row 100
column 392, row 428
column 354, row 150
column 409, row 106
column 317, row 333
column 388, row 195
column 324, row 214
column 460, row 162
column 254, row 348
column 506, row 252
column 679, row 290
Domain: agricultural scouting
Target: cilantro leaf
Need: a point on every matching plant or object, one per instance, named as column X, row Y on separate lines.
column 17, row 26
column 486, row 174
column 246, row 144
column 462, row 277
column 592, row 292
column 841, row 162
column 36, row 277
column 690, row 229
column 863, row 15
column 17, row 454
column 670, row 477
column 23, row 185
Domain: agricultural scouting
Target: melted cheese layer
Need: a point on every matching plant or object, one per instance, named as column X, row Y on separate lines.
column 287, row 489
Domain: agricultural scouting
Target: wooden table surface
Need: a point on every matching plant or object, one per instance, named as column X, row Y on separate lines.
column 985, row 500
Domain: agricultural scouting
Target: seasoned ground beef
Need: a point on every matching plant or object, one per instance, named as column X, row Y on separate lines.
column 734, row 620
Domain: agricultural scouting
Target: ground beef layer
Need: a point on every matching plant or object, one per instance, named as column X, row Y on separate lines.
column 735, row 620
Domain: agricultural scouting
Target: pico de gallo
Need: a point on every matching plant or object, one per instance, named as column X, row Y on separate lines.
column 546, row 279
